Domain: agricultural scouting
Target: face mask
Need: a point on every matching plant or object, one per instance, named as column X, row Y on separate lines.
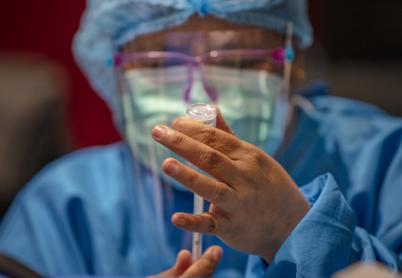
column 247, row 98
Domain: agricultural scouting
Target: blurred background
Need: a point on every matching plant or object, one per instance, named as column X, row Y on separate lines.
column 48, row 109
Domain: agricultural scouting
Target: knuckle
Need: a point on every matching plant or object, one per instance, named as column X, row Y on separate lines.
column 220, row 193
column 257, row 158
column 211, row 225
column 230, row 147
column 178, row 140
column 209, row 137
column 210, row 159
column 191, row 178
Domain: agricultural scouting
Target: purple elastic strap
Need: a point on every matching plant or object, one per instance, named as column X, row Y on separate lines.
column 277, row 55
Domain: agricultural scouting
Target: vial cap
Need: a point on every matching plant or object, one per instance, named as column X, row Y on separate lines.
column 204, row 113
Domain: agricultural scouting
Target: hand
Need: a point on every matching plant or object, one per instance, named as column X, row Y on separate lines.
column 204, row 267
column 255, row 204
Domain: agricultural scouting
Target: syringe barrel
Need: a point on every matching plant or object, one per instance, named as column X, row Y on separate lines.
column 205, row 114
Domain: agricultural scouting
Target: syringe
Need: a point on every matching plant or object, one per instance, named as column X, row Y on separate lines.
column 206, row 114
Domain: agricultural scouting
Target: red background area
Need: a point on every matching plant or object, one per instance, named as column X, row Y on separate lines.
column 47, row 27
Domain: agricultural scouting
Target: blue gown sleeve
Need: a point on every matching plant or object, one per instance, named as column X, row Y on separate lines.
column 47, row 229
column 328, row 239
column 40, row 237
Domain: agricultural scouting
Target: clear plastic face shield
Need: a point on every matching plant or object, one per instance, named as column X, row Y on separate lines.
column 247, row 83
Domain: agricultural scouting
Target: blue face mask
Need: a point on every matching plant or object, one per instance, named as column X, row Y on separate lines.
column 248, row 100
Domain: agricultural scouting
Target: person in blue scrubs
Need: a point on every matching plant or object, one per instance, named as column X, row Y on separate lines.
column 320, row 192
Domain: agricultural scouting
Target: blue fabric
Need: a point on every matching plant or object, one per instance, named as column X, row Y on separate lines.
column 353, row 154
column 85, row 214
column 108, row 24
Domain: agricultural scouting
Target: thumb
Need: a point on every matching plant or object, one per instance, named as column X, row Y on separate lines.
column 222, row 124
column 206, row 265
column 183, row 262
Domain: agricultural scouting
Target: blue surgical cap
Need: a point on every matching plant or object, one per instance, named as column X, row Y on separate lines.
column 108, row 24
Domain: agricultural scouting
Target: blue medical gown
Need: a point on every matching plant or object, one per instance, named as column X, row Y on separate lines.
column 346, row 156
column 86, row 214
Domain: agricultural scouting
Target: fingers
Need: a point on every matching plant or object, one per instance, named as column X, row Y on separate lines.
column 220, row 140
column 206, row 265
column 206, row 223
column 208, row 188
column 203, row 267
column 204, row 157
column 183, row 262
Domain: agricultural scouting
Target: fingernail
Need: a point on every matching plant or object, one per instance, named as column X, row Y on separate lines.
column 172, row 168
column 159, row 132
column 216, row 253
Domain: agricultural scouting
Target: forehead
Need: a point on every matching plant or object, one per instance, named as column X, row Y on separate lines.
column 217, row 34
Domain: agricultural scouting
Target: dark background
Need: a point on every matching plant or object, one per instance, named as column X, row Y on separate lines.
column 355, row 40
column 47, row 27
column 358, row 50
column 361, row 30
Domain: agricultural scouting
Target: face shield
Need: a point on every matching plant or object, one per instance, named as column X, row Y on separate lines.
column 248, row 84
